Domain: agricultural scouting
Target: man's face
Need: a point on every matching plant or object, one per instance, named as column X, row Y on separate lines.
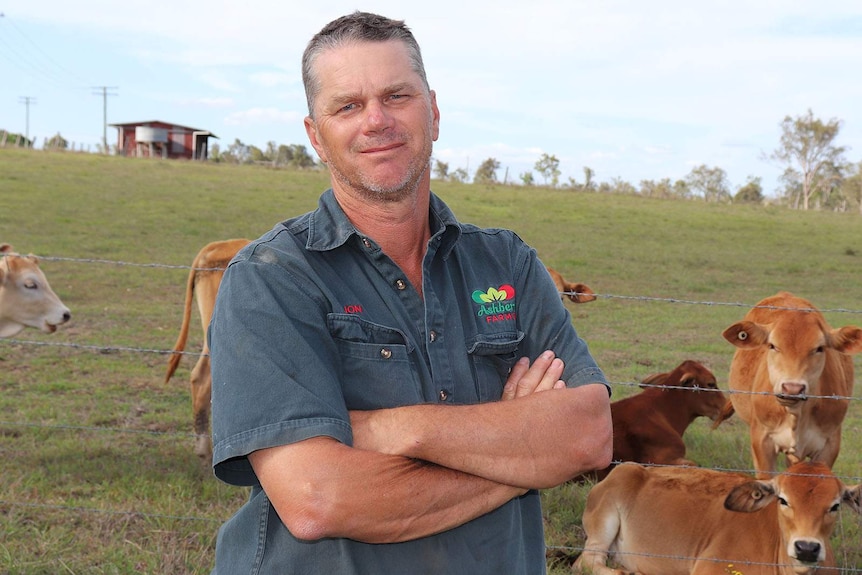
column 374, row 121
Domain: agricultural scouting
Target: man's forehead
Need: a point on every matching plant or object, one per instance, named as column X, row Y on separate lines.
column 366, row 65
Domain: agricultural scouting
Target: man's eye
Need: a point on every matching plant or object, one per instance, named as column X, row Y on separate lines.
column 347, row 107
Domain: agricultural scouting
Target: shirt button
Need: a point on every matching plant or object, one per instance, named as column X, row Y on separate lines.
column 444, row 395
column 400, row 284
column 366, row 243
column 385, row 353
column 432, row 335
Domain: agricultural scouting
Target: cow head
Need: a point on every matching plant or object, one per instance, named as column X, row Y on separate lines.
column 808, row 497
column 795, row 348
column 26, row 298
column 699, row 392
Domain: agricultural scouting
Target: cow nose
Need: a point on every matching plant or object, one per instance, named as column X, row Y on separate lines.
column 67, row 316
column 789, row 388
column 807, row 551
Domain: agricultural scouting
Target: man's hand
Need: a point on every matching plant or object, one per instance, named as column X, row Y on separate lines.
column 370, row 429
column 543, row 375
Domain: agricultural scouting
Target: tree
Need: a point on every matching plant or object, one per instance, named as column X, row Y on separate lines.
column 15, row 139
column 811, row 157
column 57, row 142
column 441, row 170
column 255, row 155
column 852, row 185
column 300, row 158
column 527, row 179
column 710, row 182
column 459, row 175
column 750, row 193
column 549, row 168
column 486, row 173
column 236, row 153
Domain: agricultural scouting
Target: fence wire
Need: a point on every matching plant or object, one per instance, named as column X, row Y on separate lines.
column 565, row 550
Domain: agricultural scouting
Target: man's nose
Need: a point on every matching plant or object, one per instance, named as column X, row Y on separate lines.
column 377, row 117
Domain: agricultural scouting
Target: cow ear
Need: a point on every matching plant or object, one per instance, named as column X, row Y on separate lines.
column 852, row 496
column 745, row 334
column 654, row 379
column 5, row 248
column 847, row 339
column 750, row 496
column 584, row 293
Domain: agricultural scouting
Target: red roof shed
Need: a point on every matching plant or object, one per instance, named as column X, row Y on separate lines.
column 154, row 138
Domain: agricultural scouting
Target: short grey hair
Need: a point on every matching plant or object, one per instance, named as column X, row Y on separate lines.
column 356, row 27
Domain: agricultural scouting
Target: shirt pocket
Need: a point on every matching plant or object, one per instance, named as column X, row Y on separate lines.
column 492, row 357
column 376, row 370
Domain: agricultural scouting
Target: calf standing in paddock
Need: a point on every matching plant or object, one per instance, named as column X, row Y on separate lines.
column 202, row 284
column 26, row 298
column 795, row 377
column 681, row 521
column 576, row 292
column 648, row 427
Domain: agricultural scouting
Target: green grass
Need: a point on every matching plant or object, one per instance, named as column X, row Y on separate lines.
column 99, row 473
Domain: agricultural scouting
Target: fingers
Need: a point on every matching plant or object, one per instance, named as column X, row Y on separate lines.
column 518, row 370
column 543, row 375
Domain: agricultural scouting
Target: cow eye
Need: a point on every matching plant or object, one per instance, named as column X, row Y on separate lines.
column 782, row 501
column 772, row 346
column 834, row 508
column 819, row 349
column 31, row 285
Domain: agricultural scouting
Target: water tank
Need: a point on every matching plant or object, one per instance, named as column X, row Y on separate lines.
column 147, row 134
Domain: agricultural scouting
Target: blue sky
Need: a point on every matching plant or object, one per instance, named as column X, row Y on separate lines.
column 634, row 90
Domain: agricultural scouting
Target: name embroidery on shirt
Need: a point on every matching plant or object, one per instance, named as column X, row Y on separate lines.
column 496, row 304
column 353, row 308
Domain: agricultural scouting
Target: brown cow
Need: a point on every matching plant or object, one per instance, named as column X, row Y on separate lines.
column 648, row 427
column 576, row 292
column 203, row 283
column 787, row 366
column 681, row 521
column 26, row 298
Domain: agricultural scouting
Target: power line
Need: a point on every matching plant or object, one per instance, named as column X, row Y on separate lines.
column 26, row 55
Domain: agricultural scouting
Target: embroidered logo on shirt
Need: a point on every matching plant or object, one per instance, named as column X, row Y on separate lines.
column 496, row 304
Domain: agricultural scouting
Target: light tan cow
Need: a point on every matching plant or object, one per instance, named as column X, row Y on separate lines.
column 681, row 521
column 202, row 284
column 787, row 366
column 26, row 298
column 576, row 292
column 648, row 427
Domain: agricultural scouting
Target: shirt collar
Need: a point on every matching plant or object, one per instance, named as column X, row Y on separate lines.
column 329, row 227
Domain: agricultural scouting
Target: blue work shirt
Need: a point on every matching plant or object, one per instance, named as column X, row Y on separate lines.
column 313, row 320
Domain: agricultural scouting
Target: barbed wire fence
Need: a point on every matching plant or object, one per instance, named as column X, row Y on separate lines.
column 569, row 551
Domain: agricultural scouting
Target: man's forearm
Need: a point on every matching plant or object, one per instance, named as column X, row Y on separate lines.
column 539, row 440
column 322, row 488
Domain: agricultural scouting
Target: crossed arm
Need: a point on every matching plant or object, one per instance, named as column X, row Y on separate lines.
column 418, row 470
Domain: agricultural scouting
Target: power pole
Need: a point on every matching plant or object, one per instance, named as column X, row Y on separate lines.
column 26, row 101
column 103, row 90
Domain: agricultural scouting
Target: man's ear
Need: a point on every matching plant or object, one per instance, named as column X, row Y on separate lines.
column 311, row 131
column 435, row 119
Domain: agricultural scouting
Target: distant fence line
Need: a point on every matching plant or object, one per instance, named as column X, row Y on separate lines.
column 52, row 144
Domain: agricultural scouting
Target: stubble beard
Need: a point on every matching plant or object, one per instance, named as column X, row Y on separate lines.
column 376, row 191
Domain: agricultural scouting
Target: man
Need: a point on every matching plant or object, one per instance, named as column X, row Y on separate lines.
column 372, row 376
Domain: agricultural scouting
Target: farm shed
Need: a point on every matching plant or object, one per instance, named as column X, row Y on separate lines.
column 154, row 138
